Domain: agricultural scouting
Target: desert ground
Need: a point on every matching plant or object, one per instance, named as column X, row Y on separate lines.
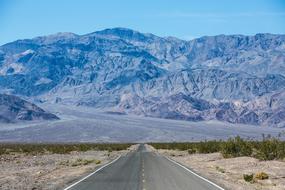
column 50, row 171
column 229, row 172
column 85, row 124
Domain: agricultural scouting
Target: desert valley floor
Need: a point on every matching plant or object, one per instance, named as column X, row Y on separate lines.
column 83, row 124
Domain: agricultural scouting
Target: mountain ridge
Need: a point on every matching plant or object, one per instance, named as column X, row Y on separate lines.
column 125, row 70
column 14, row 109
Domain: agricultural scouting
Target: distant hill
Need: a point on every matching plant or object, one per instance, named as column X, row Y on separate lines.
column 14, row 109
column 233, row 78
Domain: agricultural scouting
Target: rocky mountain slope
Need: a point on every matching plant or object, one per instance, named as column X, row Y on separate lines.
column 13, row 109
column 234, row 78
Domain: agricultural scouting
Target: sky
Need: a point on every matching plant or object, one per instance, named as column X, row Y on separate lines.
column 185, row 19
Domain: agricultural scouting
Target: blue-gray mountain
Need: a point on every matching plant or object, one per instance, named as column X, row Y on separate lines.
column 14, row 109
column 234, row 78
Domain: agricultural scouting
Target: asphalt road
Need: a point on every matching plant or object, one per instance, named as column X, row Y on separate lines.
column 143, row 170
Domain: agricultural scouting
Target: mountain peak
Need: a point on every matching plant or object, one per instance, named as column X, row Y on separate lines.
column 56, row 37
column 126, row 33
column 117, row 30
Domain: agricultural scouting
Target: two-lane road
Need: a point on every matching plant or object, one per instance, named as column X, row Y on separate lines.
column 143, row 170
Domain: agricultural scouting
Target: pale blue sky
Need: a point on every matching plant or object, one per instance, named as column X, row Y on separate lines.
column 185, row 19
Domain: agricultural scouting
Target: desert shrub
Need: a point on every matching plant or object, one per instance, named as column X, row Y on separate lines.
column 248, row 177
column 58, row 148
column 208, row 147
column 261, row 176
column 269, row 149
column 64, row 163
column 220, row 169
column 191, row 151
column 236, row 147
column 191, row 147
column 174, row 146
column 83, row 162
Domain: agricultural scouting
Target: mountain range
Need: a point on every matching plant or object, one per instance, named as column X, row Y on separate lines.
column 232, row 78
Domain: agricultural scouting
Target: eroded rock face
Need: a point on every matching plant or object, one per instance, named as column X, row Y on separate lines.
column 13, row 109
column 231, row 78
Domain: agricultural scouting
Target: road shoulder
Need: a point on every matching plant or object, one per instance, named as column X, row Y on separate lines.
column 229, row 172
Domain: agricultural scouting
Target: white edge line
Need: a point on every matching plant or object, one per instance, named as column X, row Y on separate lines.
column 212, row 183
column 92, row 173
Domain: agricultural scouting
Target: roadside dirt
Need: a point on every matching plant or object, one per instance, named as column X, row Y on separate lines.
column 229, row 172
column 50, row 171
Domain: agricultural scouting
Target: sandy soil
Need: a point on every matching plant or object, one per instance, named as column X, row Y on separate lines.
column 50, row 171
column 229, row 172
